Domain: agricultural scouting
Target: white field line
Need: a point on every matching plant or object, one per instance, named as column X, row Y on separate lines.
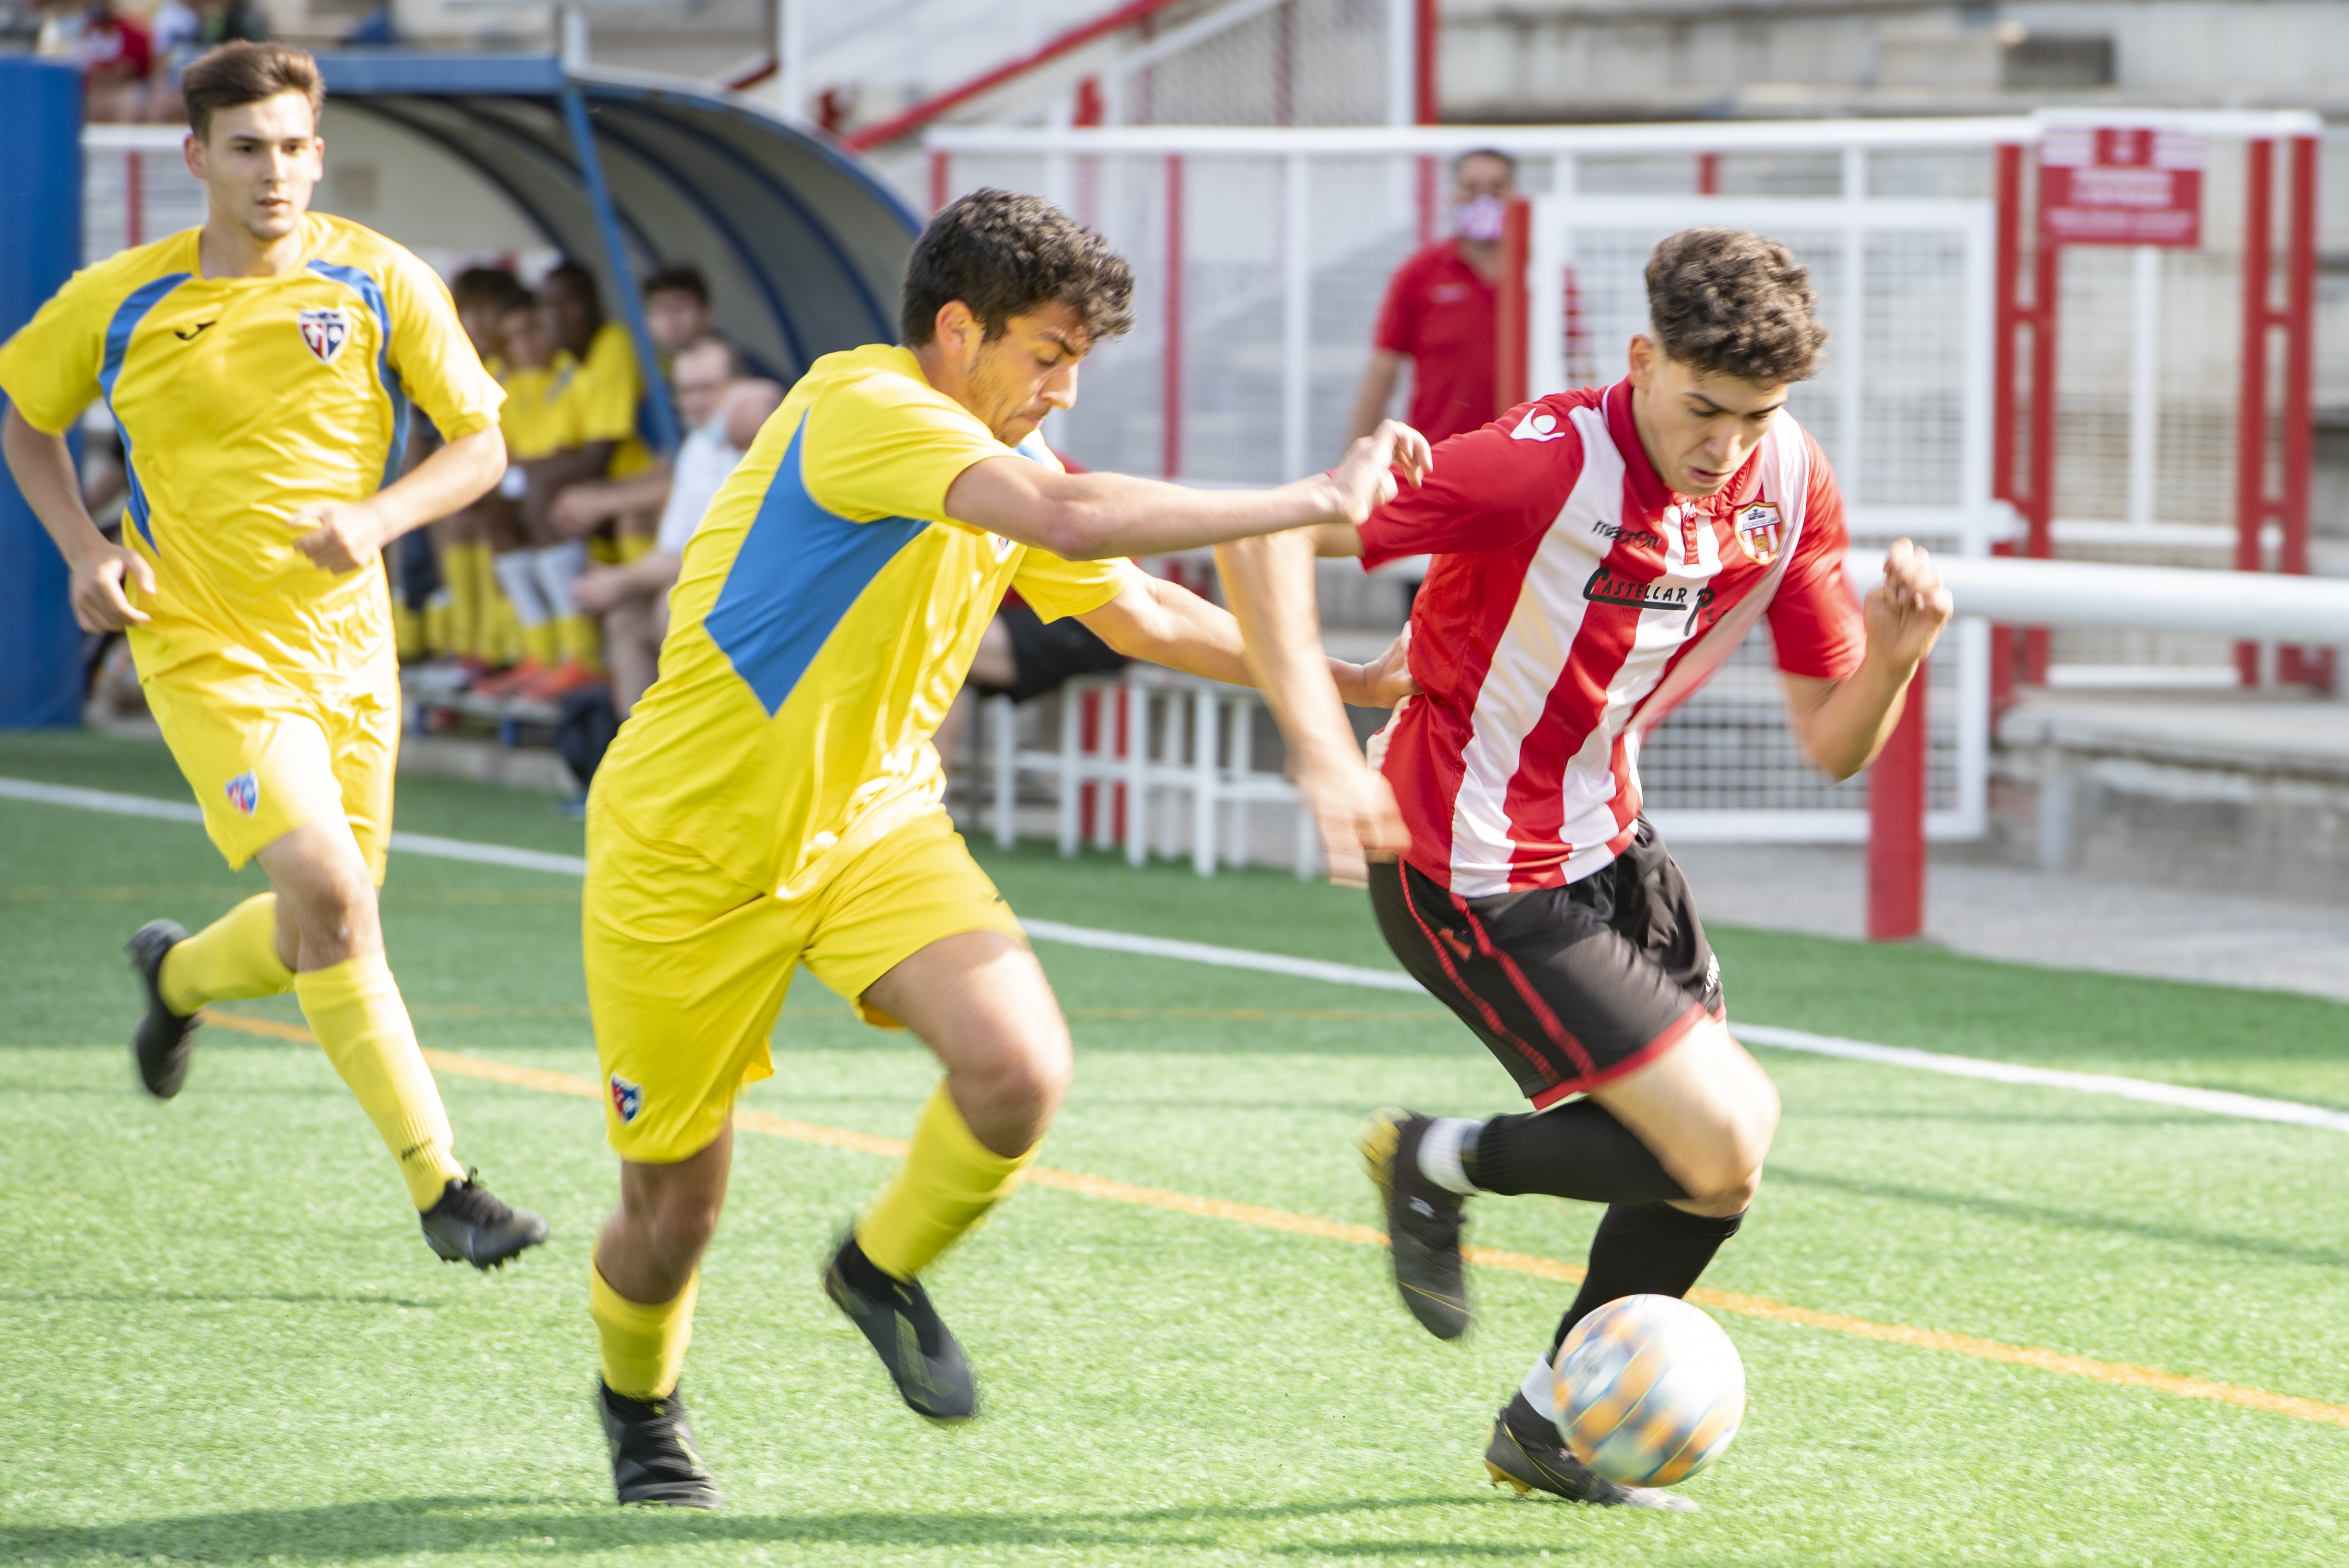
column 2211, row 1102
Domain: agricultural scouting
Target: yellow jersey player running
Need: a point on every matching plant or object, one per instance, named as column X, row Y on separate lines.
column 774, row 800
column 259, row 369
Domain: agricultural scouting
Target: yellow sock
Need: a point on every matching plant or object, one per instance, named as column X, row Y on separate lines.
column 504, row 633
column 644, row 1346
column 464, row 599
column 542, row 643
column 580, row 640
column 490, row 608
column 439, row 619
column 947, row 1184
column 406, row 633
column 634, row 547
column 235, row 956
column 354, row 1009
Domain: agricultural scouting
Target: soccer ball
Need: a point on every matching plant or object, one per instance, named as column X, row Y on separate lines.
column 1650, row 1390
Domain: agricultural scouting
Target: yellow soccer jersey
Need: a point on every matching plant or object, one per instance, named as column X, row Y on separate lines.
column 827, row 613
column 240, row 401
column 603, row 394
column 538, row 419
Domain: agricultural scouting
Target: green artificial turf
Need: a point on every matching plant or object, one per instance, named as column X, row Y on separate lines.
column 228, row 1344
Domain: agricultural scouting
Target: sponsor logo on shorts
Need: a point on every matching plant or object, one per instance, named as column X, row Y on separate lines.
column 324, row 333
column 1760, row 531
column 244, row 793
column 1609, row 586
column 627, row 1099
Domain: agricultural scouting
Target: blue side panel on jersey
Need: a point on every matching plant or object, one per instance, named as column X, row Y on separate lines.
column 127, row 317
column 797, row 571
column 367, row 289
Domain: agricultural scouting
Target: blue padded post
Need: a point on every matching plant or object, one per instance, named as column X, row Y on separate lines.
column 40, row 213
column 659, row 413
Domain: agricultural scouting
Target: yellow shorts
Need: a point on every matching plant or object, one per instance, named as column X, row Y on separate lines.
column 686, row 967
column 266, row 756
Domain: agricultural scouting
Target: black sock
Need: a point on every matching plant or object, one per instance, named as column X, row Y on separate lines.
column 1645, row 1249
column 1577, row 1150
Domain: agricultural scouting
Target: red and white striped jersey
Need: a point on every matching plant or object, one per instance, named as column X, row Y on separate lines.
column 1572, row 602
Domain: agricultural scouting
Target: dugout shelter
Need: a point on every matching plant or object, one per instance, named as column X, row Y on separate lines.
column 802, row 247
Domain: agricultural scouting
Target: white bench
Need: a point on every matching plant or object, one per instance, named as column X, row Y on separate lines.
column 1218, row 783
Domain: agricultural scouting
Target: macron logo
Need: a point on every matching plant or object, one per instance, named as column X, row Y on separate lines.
column 1537, row 426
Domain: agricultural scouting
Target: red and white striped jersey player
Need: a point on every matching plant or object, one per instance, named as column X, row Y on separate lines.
column 1597, row 554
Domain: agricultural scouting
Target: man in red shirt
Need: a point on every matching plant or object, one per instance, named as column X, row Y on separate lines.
column 1439, row 313
column 1597, row 554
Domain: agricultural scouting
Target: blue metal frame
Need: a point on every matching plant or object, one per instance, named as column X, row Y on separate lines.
column 631, row 302
column 724, row 225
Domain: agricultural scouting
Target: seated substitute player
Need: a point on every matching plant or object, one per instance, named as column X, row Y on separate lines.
column 1597, row 554
column 259, row 368
column 775, row 799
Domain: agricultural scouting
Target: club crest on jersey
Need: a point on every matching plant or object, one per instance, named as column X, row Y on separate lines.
column 244, row 793
column 1760, row 532
column 324, row 332
column 627, row 1099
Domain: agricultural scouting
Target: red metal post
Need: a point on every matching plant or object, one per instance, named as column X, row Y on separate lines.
column 2299, row 322
column 1896, row 825
column 1511, row 311
column 1426, row 34
column 1170, row 389
column 2046, row 274
column 938, row 175
column 134, row 199
column 2008, row 316
column 2251, row 400
column 1426, row 198
column 1708, row 174
column 1088, row 737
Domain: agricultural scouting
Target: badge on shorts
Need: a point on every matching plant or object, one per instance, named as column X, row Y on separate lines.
column 1758, row 533
column 627, row 1099
column 244, row 792
column 324, row 332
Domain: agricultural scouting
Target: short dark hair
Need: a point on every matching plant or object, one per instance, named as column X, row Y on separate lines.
column 235, row 75
column 1508, row 162
column 681, row 277
column 493, row 286
column 579, row 276
column 1734, row 303
column 1003, row 255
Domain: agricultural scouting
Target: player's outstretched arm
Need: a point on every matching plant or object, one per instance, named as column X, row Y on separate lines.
column 1269, row 582
column 1166, row 624
column 1843, row 723
column 44, row 469
column 345, row 535
column 1093, row 517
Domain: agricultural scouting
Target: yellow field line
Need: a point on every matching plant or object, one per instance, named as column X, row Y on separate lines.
column 1266, row 1219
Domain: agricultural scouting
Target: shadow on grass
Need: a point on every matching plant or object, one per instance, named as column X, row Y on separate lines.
column 2041, row 1214
column 542, row 1527
column 215, row 1298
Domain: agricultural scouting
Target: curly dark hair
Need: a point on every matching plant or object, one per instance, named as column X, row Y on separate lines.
column 1003, row 255
column 1734, row 303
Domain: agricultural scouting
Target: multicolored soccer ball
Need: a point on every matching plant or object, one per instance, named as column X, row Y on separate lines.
column 1650, row 1390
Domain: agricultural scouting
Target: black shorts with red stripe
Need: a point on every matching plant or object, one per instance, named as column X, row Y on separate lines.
column 1571, row 986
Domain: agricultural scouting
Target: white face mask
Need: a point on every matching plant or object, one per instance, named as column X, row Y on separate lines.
column 1479, row 218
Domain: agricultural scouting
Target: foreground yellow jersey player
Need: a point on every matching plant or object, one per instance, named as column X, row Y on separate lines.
column 774, row 800
column 259, row 369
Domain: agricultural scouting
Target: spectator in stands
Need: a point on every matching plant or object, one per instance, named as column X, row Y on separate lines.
column 184, row 29
column 484, row 296
column 677, row 313
column 677, row 308
column 722, row 411
column 116, row 55
column 538, row 429
column 593, row 393
column 1440, row 313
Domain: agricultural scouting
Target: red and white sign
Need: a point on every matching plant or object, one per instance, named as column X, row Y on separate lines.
column 2133, row 185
